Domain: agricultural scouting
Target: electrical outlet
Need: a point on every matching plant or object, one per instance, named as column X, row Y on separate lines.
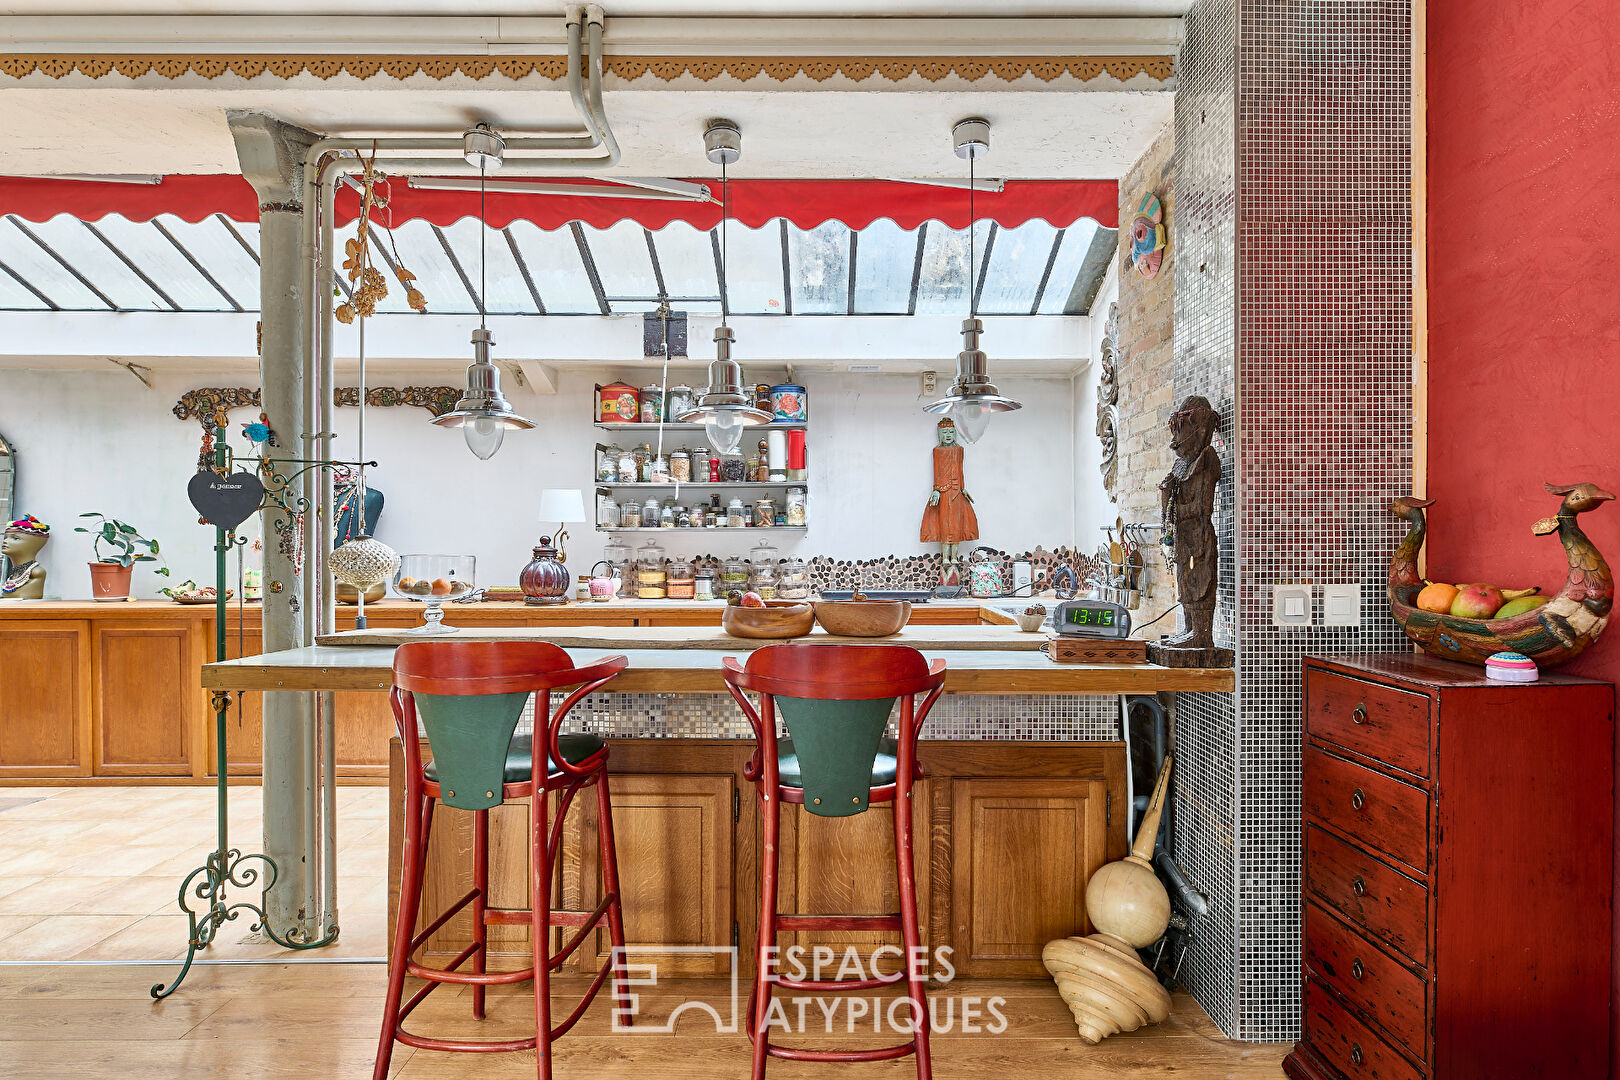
column 930, row 383
column 1291, row 605
column 1341, row 605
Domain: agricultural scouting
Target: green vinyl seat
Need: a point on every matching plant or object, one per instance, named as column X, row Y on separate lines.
column 520, row 756
column 884, row 765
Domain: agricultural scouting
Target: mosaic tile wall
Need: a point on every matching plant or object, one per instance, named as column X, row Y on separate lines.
column 1293, row 315
column 979, row 717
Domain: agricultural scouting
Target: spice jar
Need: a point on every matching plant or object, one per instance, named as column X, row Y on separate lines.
column 765, row 512
column 733, row 575
column 762, row 397
column 736, row 514
column 793, row 579
column 607, row 466
column 630, row 514
column 629, row 468
column 796, row 507
column 680, row 466
column 682, row 584
column 652, row 403
column 703, row 585
column 652, row 576
column 582, row 587
column 763, row 570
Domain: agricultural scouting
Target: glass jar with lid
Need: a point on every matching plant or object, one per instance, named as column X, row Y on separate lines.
column 793, row 579
column 682, row 584
column 700, row 464
column 649, row 513
column 680, row 466
column 652, row 576
column 703, row 585
column 699, row 515
column 765, row 512
column 630, row 514
column 666, row 516
column 652, row 403
column 607, row 512
column 733, row 575
column 607, row 466
column 763, row 569
column 732, row 469
column 677, row 403
column 629, row 468
column 796, row 507
column 643, row 455
column 617, row 558
column 736, row 514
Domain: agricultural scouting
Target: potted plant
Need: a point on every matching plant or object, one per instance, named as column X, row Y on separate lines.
column 110, row 572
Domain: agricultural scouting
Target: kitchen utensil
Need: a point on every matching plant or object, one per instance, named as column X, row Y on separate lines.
column 862, row 618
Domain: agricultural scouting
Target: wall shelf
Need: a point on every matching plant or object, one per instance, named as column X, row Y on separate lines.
column 777, row 425
column 687, row 485
column 687, row 531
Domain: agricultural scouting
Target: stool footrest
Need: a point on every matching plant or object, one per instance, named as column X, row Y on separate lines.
column 833, row 986
column 523, row 917
column 448, row 914
column 837, row 922
column 473, row 1046
column 882, row 1053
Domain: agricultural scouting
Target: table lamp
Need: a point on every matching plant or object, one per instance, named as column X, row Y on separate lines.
column 545, row 579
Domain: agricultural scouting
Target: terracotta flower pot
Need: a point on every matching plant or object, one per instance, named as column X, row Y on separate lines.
column 109, row 581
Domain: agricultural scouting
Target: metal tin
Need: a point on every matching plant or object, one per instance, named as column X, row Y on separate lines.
column 618, row 403
column 790, row 402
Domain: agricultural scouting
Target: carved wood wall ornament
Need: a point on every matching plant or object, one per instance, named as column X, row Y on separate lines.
column 1108, row 406
column 204, row 403
column 628, row 68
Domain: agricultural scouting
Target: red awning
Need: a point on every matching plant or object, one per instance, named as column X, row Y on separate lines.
column 805, row 203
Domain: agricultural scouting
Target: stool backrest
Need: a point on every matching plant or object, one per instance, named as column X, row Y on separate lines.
column 836, row 701
column 469, row 697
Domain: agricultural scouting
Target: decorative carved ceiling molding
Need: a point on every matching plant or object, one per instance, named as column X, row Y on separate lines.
column 629, row 68
column 203, row 403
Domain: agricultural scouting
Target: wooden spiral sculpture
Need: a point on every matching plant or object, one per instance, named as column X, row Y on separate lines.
column 1100, row 977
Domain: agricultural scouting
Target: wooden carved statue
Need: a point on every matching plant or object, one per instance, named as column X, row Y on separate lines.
column 23, row 540
column 948, row 519
column 1187, row 506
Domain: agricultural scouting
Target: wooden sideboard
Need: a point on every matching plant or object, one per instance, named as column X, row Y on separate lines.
column 111, row 693
column 1458, row 857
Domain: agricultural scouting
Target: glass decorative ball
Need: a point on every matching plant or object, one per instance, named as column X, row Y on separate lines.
column 363, row 562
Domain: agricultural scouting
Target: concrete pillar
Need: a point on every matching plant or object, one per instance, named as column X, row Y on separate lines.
column 271, row 154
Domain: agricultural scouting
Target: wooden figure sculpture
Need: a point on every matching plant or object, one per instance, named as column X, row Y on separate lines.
column 23, row 540
column 1552, row 634
column 1101, row 979
column 948, row 519
column 1187, row 506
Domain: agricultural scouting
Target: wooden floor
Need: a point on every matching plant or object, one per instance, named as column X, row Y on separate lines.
column 85, row 1022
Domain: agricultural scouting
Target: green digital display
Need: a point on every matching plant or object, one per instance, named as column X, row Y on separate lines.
column 1078, row 615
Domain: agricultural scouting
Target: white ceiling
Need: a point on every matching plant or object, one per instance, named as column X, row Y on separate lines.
column 1006, row 9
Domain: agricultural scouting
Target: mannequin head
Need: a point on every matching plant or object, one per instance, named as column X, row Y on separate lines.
column 24, row 539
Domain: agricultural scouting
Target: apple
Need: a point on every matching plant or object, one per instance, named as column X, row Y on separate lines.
column 752, row 599
column 1437, row 597
column 1477, row 601
column 1519, row 606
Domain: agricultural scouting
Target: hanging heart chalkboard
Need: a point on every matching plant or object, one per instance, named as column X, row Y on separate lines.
column 225, row 501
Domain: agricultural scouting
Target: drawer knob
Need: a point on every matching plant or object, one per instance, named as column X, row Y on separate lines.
column 1357, row 970
column 1358, row 799
column 1358, row 886
column 1355, row 1053
column 1358, row 715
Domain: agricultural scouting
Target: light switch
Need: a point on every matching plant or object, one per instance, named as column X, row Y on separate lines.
column 1291, row 605
column 1341, row 605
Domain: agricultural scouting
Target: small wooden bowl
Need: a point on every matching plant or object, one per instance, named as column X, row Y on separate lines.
column 863, row 618
column 778, row 619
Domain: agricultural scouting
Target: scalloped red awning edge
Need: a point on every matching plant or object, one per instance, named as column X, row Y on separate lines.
column 805, row 203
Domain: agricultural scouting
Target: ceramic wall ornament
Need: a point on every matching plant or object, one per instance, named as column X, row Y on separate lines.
column 1148, row 237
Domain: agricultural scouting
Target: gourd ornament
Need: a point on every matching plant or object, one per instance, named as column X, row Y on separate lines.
column 1101, row 979
column 1552, row 634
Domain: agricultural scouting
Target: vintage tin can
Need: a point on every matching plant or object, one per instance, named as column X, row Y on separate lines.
column 618, row 403
column 790, row 402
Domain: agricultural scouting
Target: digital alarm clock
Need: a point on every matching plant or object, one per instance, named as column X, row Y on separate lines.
column 1091, row 618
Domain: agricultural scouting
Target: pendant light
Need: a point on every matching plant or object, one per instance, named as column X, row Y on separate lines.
column 723, row 409
column 483, row 413
column 973, row 398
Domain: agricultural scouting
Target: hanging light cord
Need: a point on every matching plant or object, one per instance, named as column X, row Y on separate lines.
column 725, row 214
column 973, row 300
column 483, row 241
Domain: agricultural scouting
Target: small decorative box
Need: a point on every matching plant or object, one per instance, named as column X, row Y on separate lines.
column 1511, row 667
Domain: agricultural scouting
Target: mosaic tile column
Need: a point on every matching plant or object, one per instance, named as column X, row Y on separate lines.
column 1294, row 317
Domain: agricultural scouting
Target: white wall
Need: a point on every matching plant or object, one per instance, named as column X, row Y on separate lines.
column 91, row 440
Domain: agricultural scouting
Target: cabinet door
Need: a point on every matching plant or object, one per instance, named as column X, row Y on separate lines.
column 44, row 698
column 149, row 703
column 1021, row 854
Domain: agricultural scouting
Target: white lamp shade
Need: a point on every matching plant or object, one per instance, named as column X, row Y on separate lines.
column 562, row 504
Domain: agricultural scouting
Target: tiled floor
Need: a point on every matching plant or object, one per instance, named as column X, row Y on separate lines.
column 94, row 873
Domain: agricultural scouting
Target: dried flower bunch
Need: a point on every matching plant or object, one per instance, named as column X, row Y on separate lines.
column 369, row 283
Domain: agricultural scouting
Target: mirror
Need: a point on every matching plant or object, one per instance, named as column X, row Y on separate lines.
column 8, row 487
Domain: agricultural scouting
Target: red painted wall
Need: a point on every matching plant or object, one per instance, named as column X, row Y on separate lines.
column 1524, row 286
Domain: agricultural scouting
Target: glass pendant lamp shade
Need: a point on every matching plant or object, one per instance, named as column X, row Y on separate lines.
column 973, row 398
column 723, row 409
column 483, row 413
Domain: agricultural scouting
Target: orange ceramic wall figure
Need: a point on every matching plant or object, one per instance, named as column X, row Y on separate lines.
column 948, row 518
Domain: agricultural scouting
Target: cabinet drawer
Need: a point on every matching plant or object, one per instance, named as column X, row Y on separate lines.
column 1348, row 1044
column 1378, row 721
column 1366, row 977
column 1382, row 813
column 1389, row 905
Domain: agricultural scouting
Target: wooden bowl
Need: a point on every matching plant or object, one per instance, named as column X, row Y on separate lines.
column 778, row 619
column 863, row 618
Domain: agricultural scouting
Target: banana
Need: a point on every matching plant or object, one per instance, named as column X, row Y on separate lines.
column 1514, row 594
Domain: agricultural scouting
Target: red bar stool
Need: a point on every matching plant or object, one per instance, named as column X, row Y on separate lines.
column 468, row 697
column 836, row 701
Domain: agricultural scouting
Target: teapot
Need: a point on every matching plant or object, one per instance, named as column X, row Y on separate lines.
column 605, row 581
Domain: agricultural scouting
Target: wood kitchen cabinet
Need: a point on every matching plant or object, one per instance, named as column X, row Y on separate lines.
column 1458, row 857
column 45, row 680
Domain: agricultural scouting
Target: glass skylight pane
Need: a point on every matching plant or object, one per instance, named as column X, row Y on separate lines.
column 754, row 269
column 1071, row 256
column 395, row 300
column 149, row 249
column 1017, row 261
column 686, row 259
column 623, row 265
column 212, row 245
column 884, row 258
column 13, row 297
column 942, row 286
column 44, row 273
column 554, row 264
column 818, row 266
column 68, row 237
column 435, row 274
column 506, row 293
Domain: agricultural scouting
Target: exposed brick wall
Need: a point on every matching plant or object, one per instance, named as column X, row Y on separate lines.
column 1145, row 368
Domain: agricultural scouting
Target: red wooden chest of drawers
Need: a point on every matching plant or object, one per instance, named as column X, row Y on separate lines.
column 1458, row 872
